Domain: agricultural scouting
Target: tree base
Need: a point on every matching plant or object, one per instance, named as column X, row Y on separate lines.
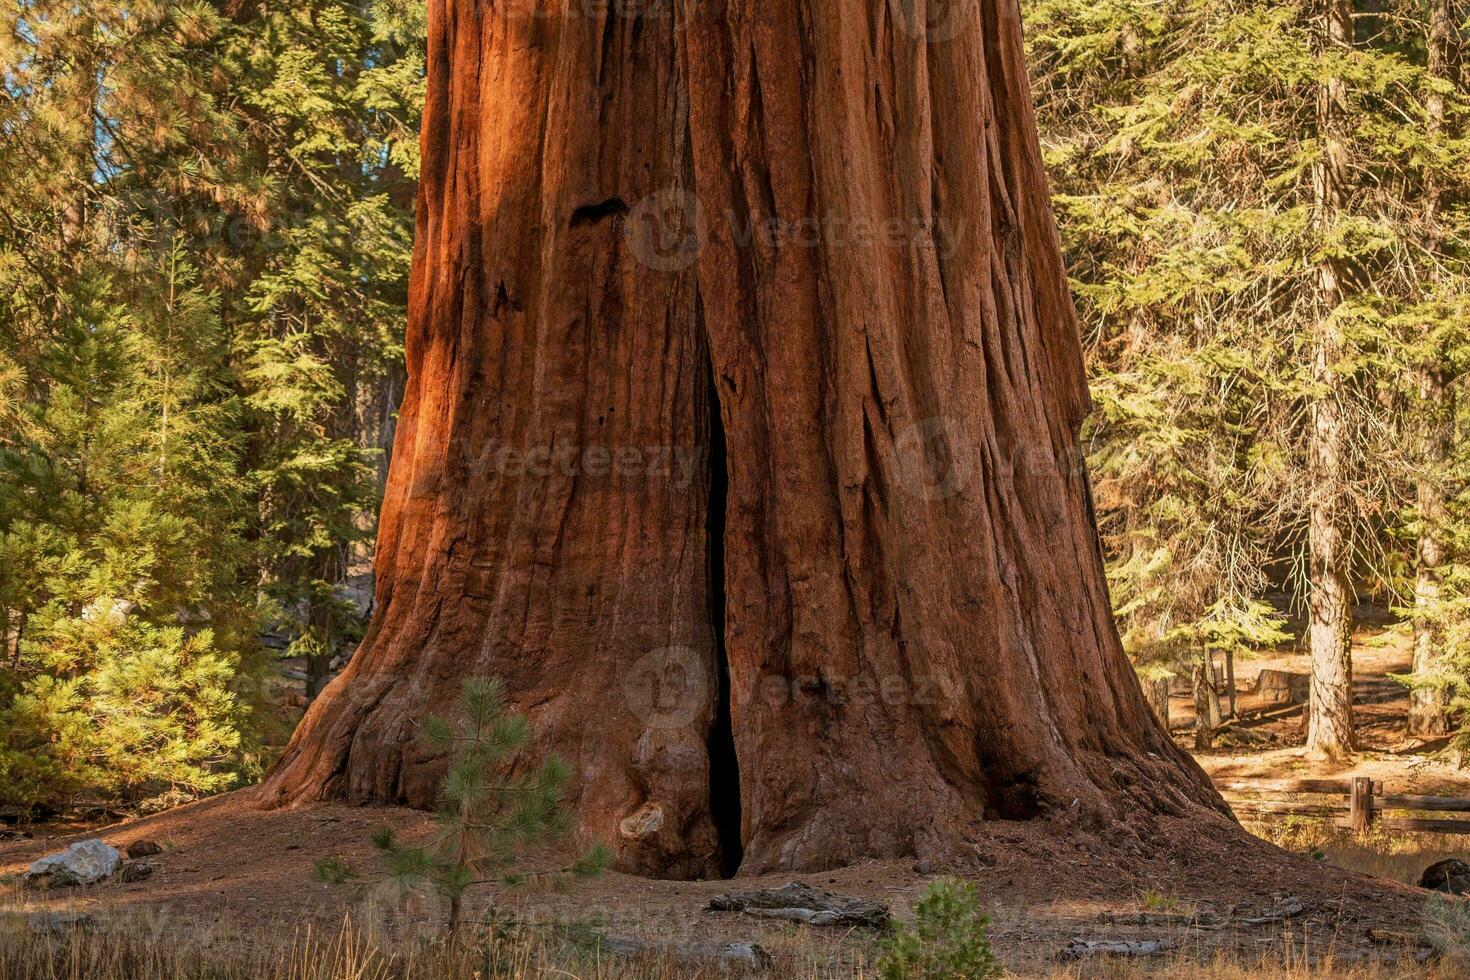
column 740, row 442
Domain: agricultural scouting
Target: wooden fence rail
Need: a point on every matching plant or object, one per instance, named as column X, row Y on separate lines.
column 1362, row 804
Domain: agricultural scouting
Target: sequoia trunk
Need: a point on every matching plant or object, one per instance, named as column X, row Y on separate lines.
column 740, row 439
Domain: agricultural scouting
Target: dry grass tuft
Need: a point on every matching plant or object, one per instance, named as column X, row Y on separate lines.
column 379, row 944
column 1381, row 854
column 128, row 950
column 121, row 950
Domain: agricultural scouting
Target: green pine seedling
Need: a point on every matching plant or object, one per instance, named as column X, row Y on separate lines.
column 947, row 940
column 482, row 821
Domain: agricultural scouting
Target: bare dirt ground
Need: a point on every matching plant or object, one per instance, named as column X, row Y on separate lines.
column 1267, row 744
column 231, row 873
column 1271, row 747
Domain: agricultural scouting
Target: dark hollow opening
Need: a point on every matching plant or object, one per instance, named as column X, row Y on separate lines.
column 724, row 768
column 591, row 214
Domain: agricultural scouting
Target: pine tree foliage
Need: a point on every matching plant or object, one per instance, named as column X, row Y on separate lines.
column 948, row 939
column 328, row 101
column 1185, row 145
column 204, row 237
column 125, row 636
column 484, row 819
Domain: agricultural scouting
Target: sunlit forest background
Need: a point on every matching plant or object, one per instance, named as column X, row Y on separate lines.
column 206, row 219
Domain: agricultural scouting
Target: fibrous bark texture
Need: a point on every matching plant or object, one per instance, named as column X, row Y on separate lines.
column 740, row 439
column 1429, row 713
column 1330, row 728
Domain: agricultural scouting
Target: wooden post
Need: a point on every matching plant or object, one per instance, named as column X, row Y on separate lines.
column 1360, row 805
column 1230, row 680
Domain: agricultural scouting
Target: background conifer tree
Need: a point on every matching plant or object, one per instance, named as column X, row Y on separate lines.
column 1246, row 190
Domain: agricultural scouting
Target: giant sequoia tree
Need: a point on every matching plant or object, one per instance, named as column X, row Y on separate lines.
column 740, row 441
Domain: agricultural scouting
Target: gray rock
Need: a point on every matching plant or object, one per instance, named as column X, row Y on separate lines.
column 84, row 863
column 797, row 901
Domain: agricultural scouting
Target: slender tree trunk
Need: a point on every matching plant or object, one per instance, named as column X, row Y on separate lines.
column 456, row 913
column 1429, row 706
column 1212, row 681
column 740, row 347
column 1231, row 694
column 1330, row 729
column 1157, row 693
column 1206, row 704
column 20, row 635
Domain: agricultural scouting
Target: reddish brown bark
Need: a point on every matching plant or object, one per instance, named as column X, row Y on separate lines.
column 887, row 536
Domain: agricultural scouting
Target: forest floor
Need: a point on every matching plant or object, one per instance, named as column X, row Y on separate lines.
column 231, row 874
column 236, row 883
column 1267, row 743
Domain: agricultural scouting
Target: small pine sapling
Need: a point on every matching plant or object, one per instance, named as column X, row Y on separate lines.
column 948, row 939
column 482, row 820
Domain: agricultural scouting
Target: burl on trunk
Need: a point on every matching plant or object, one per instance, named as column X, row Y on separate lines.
column 740, row 440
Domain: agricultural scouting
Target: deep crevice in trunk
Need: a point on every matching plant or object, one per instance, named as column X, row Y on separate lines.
column 724, row 767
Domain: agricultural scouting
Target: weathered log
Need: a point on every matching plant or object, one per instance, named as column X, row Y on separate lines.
column 800, row 902
column 748, row 956
column 1079, row 949
column 1198, row 920
column 1288, row 908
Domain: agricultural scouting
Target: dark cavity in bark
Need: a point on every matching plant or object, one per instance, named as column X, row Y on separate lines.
column 724, row 767
column 589, row 214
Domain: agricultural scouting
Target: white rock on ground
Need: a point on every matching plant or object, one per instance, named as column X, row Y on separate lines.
column 84, row 863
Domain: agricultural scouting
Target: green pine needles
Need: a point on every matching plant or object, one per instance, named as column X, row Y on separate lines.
column 948, row 939
column 484, row 820
column 1241, row 394
column 204, row 246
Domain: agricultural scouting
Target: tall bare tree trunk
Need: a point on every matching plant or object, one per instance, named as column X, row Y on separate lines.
column 1212, row 678
column 1206, row 703
column 1232, row 694
column 1429, row 706
column 740, row 439
column 1157, row 693
column 1330, row 730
